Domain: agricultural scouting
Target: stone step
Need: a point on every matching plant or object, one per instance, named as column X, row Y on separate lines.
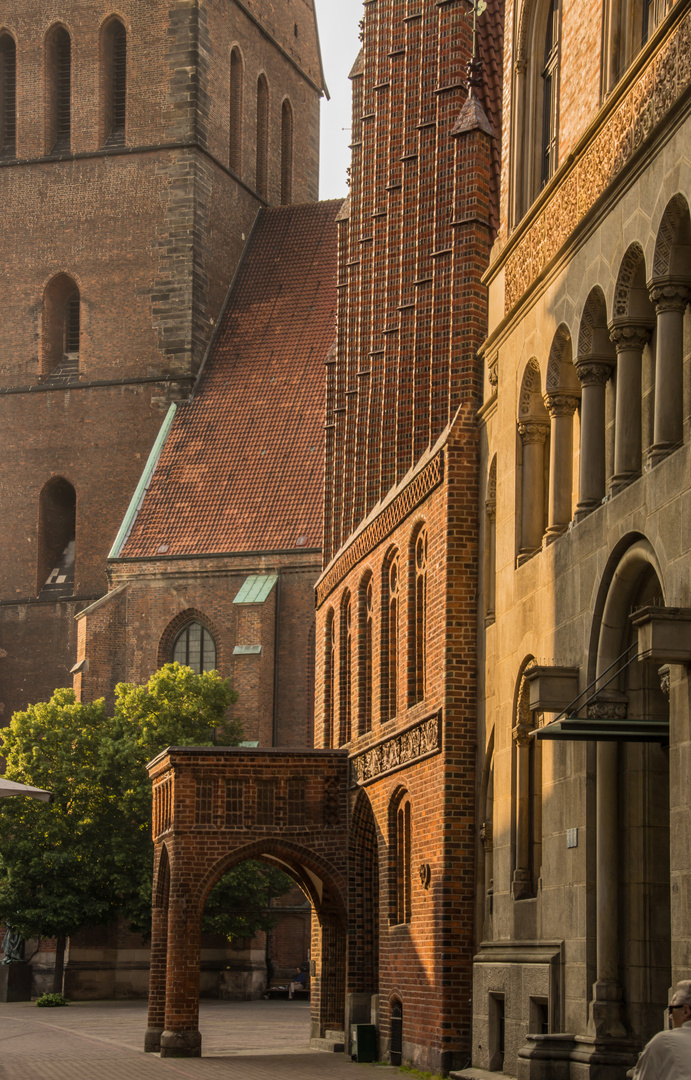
column 478, row 1074
column 333, row 1042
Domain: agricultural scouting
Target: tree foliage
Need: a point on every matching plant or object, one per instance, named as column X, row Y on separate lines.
column 86, row 858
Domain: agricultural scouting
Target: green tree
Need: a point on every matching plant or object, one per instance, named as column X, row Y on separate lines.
column 86, row 858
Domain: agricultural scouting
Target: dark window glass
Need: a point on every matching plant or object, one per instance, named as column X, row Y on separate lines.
column 195, row 648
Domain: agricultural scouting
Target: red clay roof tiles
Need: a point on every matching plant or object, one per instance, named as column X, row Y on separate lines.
column 242, row 468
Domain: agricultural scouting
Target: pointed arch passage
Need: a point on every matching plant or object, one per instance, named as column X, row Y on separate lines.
column 114, row 82
column 312, row 848
column 58, row 54
column 8, row 96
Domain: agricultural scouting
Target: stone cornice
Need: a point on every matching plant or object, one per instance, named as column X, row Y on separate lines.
column 654, row 85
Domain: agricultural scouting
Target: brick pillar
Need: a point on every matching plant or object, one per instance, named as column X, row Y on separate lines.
column 157, row 980
column 182, row 1037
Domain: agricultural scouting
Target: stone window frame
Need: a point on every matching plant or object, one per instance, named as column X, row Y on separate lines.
column 626, row 29
column 528, row 132
column 526, row 786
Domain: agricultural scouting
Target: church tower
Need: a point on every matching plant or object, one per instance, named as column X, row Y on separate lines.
column 136, row 146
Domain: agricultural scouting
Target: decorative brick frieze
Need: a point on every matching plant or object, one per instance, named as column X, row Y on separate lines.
column 383, row 525
column 654, row 92
column 416, row 743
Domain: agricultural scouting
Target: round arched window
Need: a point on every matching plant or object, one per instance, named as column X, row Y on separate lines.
column 194, row 647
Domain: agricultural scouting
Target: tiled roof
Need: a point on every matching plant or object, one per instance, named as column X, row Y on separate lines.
column 242, row 467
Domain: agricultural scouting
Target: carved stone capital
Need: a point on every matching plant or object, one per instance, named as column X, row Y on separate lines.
column 664, row 674
column 629, row 337
column 593, row 372
column 486, row 835
column 520, row 66
column 491, row 509
column 494, row 375
column 603, row 709
column 562, row 404
column 522, row 734
column 532, row 432
column 669, row 296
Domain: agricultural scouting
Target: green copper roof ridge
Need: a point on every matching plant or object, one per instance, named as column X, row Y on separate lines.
column 143, row 485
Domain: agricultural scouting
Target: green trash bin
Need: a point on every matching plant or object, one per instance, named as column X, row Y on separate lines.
column 365, row 1043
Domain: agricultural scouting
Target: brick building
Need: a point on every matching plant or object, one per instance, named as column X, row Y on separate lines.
column 584, row 871
column 136, row 151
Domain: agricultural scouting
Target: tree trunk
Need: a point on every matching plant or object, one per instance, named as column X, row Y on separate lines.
column 59, row 970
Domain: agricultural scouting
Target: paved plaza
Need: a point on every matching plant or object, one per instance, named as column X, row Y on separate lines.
column 252, row 1040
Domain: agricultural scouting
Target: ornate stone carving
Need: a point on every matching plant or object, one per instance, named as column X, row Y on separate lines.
column 530, row 386
column 593, row 372
column 417, row 490
column 487, row 835
column 562, row 404
column 494, row 375
column 655, row 91
column 535, row 433
column 420, row 741
column 669, row 296
column 629, row 336
column 607, row 710
column 664, row 674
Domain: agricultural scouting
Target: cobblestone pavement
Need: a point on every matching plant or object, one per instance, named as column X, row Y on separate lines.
column 253, row 1040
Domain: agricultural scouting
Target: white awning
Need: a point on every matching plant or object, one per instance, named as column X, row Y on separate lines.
column 9, row 787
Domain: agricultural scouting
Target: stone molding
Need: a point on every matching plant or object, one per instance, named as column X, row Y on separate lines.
column 383, row 525
column 650, row 97
column 405, row 748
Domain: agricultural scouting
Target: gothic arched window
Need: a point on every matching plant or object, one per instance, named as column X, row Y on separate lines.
column 195, row 648
column 400, row 838
column 418, row 618
column 58, row 90
column 366, row 640
column 286, row 153
column 329, row 677
column 8, row 97
column 114, row 59
column 237, row 90
column 389, row 637
column 346, row 669
column 262, row 177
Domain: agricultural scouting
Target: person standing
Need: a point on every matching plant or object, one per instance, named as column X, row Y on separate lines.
column 668, row 1054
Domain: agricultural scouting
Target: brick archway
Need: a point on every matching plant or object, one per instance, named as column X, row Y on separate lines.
column 214, row 808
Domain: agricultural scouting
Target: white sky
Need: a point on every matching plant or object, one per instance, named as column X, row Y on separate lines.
column 338, row 32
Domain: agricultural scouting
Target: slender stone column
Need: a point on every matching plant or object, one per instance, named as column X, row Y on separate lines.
column 561, row 408
column 629, row 340
column 593, row 375
column 522, row 885
column 533, row 437
column 182, row 1037
column 670, row 300
column 606, row 1017
column 491, row 512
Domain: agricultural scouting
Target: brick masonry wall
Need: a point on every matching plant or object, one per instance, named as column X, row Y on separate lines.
column 151, row 233
column 130, row 633
column 401, row 453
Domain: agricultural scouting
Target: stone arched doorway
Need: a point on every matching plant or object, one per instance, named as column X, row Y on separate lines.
column 633, row 935
column 214, row 808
